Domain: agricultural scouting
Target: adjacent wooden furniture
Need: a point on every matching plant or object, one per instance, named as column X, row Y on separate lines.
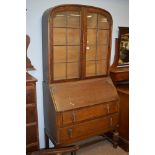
column 29, row 66
column 123, row 91
column 32, row 141
column 119, row 72
column 60, row 151
column 121, row 58
column 80, row 100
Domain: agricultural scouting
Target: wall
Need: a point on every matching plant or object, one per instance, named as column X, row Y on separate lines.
column 119, row 10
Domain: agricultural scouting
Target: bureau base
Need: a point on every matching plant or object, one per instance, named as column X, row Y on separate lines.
column 114, row 140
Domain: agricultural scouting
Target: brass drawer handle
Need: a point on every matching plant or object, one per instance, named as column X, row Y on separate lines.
column 111, row 121
column 108, row 108
column 73, row 116
column 70, row 133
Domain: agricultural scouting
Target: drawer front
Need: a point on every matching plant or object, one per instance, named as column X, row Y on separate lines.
column 92, row 127
column 83, row 114
column 32, row 147
column 30, row 94
column 31, row 136
column 113, row 107
column 31, row 113
column 122, row 76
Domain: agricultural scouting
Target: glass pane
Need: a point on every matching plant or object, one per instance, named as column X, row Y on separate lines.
column 102, row 52
column 73, row 36
column 59, row 53
column 59, row 71
column 101, row 67
column 90, row 52
column 103, row 37
column 124, row 49
column 73, row 53
column 90, row 68
column 59, row 20
column 91, row 36
column 102, row 22
column 59, row 36
column 73, row 19
column 72, row 70
column 92, row 20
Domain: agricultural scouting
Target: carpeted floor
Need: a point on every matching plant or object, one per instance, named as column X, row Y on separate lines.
column 101, row 148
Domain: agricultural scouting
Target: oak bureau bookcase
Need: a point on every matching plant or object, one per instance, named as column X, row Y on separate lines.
column 80, row 100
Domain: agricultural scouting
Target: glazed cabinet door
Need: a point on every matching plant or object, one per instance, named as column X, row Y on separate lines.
column 80, row 39
column 98, row 28
column 66, row 43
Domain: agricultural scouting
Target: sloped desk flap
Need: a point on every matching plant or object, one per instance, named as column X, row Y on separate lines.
column 71, row 95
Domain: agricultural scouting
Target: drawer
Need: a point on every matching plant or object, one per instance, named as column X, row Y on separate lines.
column 30, row 94
column 92, row 127
column 31, row 113
column 122, row 76
column 32, row 147
column 87, row 113
column 31, row 134
column 113, row 107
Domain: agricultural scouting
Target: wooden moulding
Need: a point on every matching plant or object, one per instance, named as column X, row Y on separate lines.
column 29, row 66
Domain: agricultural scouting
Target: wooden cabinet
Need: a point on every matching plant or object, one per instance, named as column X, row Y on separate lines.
column 80, row 100
column 32, row 141
column 119, row 72
column 123, row 91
